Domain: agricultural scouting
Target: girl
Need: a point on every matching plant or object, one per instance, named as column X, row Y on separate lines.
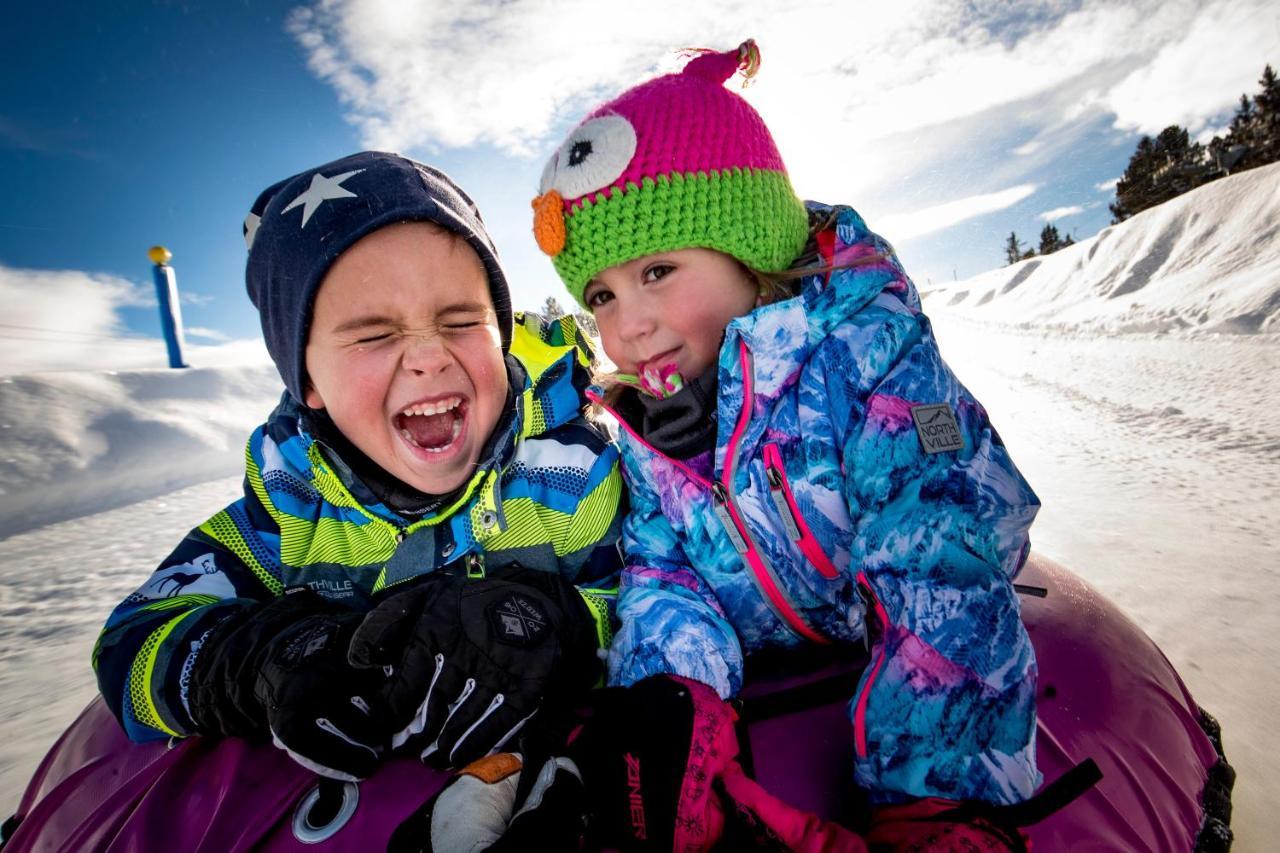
column 804, row 468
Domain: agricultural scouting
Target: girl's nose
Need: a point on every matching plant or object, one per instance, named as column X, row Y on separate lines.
column 635, row 320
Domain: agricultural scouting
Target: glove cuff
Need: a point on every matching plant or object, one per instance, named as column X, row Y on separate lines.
column 597, row 603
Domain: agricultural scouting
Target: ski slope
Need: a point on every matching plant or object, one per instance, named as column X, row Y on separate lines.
column 1132, row 377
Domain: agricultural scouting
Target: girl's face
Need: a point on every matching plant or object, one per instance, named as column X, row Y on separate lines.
column 669, row 308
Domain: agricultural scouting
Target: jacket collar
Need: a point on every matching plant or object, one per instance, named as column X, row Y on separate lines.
column 781, row 336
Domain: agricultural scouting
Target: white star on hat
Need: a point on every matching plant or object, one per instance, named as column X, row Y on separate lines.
column 321, row 189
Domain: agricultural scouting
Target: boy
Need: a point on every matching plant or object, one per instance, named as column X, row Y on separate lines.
column 401, row 571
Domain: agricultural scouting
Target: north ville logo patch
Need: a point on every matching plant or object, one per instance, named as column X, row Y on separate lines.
column 937, row 427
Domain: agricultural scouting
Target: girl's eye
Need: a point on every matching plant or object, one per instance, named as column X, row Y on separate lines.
column 373, row 339
column 657, row 272
column 598, row 298
column 457, row 327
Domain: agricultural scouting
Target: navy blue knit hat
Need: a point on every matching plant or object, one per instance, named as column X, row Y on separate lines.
column 299, row 226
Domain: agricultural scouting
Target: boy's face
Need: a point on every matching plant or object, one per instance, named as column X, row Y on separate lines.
column 405, row 354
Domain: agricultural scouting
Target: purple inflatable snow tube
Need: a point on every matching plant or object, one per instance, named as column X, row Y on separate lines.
column 1105, row 692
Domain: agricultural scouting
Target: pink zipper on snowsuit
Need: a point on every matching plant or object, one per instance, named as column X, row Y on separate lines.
column 727, row 512
column 792, row 519
column 882, row 616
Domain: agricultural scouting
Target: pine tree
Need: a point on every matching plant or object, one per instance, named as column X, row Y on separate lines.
column 1242, row 131
column 551, row 309
column 1243, row 117
column 1012, row 249
column 1159, row 169
column 1177, row 163
column 1267, row 129
column 1050, row 240
column 587, row 324
column 1134, row 184
column 1268, row 100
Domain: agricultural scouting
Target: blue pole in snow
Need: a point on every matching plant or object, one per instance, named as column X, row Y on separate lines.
column 167, row 296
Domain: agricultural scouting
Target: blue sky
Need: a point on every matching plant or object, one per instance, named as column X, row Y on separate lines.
column 947, row 123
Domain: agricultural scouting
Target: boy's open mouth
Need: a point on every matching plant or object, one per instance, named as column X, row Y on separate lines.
column 432, row 426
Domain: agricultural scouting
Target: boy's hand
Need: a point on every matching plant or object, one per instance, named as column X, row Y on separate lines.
column 280, row 670
column 498, row 804
column 470, row 661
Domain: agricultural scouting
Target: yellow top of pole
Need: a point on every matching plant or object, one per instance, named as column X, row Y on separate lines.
column 159, row 255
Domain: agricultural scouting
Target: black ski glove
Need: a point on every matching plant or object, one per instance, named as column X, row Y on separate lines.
column 472, row 660
column 279, row 669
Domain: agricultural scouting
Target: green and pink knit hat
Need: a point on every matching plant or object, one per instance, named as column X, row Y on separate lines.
column 677, row 162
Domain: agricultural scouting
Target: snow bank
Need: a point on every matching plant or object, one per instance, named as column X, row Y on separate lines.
column 1208, row 261
column 79, row 442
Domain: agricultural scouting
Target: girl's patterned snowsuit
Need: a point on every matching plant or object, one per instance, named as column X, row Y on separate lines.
column 550, row 498
column 826, row 519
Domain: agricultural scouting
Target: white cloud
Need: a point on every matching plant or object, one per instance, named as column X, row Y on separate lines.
column 1107, row 186
column 1205, row 136
column 1060, row 213
column 858, row 96
column 208, row 334
column 1193, row 77
column 69, row 320
column 904, row 226
column 57, row 319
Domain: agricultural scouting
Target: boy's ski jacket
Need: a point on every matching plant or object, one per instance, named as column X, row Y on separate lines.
column 859, row 493
column 550, row 498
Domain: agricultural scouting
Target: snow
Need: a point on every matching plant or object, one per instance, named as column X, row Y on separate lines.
column 77, row 442
column 1207, row 261
column 1131, row 376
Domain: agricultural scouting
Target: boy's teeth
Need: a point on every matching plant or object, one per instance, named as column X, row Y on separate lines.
column 436, row 408
column 454, row 432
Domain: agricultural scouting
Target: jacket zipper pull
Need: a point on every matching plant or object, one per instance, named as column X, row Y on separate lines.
column 721, row 495
column 868, row 619
column 780, row 501
column 475, row 566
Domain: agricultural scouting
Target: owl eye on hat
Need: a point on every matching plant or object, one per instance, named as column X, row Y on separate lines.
column 676, row 162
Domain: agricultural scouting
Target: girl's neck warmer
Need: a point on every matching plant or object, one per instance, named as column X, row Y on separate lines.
column 681, row 426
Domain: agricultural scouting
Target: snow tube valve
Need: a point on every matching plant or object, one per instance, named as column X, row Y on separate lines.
column 324, row 810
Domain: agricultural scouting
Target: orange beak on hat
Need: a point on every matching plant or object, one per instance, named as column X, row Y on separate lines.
column 548, row 222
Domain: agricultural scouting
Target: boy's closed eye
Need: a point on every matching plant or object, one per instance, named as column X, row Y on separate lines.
column 363, row 330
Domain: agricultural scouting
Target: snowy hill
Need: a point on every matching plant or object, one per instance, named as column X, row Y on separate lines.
column 78, row 442
column 1207, row 261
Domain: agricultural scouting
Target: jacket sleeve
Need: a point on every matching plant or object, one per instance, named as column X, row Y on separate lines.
column 946, row 707
column 144, row 654
column 671, row 622
column 593, row 537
